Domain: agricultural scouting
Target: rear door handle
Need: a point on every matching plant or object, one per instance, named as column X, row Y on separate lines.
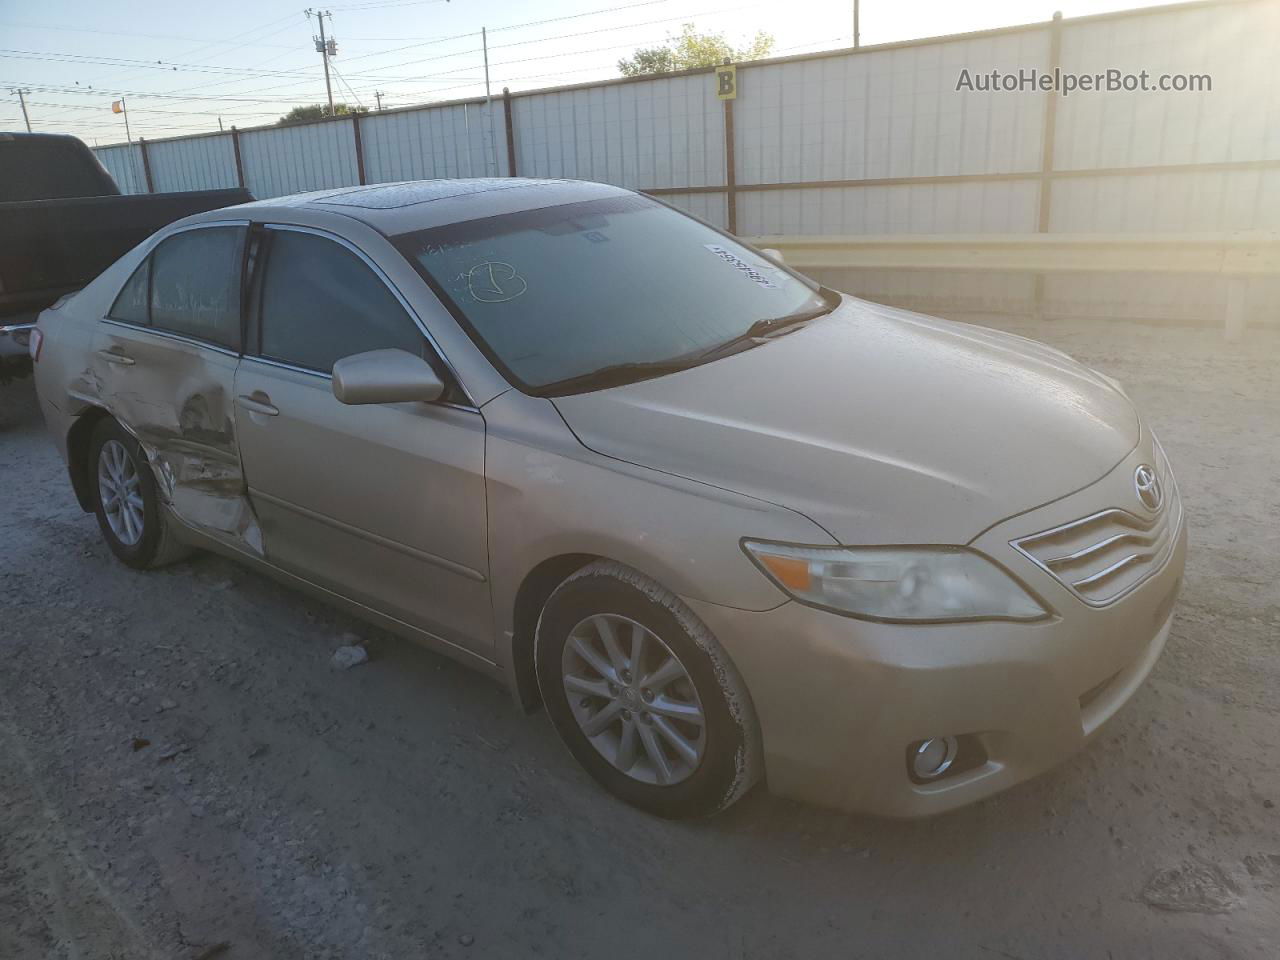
column 258, row 403
column 112, row 357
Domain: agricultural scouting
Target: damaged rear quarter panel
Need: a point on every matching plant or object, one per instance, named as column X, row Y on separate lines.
column 177, row 399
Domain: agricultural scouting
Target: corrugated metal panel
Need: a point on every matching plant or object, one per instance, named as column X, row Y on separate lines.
column 312, row 156
column 1175, row 202
column 711, row 207
column 983, row 207
column 124, row 163
column 466, row 140
column 198, row 163
column 1238, row 45
column 889, row 113
column 654, row 133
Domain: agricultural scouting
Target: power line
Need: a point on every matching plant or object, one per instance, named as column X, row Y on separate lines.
column 239, row 37
column 514, row 26
column 564, row 36
column 377, row 74
column 355, row 96
column 145, row 36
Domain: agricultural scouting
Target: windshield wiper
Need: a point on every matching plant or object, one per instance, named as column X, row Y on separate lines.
column 615, row 375
column 763, row 330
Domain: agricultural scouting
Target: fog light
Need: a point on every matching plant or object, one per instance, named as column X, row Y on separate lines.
column 932, row 758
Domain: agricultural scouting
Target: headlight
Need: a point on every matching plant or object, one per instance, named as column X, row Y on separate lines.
column 896, row 583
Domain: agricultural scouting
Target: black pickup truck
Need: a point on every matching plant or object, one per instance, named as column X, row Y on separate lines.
column 62, row 222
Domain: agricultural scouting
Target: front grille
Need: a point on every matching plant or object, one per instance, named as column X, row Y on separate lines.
column 1104, row 556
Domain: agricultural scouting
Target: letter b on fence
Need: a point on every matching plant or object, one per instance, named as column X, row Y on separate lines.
column 727, row 82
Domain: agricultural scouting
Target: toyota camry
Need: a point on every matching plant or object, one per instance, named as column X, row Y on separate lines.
column 724, row 524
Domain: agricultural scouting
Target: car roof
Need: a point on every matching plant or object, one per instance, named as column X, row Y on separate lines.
column 394, row 208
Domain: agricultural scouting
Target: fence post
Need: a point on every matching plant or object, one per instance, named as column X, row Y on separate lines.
column 511, row 136
column 1047, row 141
column 730, row 169
column 235, row 146
column 146, row 165
column 730, row 163
column 355, row 129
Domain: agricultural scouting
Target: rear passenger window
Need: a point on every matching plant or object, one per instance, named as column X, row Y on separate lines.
column 195, row 284
column 131, row 304
column 320, row 303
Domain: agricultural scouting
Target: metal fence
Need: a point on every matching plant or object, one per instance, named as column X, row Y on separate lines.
column 876, row 140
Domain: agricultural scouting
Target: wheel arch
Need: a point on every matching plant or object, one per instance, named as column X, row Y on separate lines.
column 531, row 596
column 78, row 453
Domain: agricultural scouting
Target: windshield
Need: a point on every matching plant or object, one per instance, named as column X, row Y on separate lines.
column 556, row 295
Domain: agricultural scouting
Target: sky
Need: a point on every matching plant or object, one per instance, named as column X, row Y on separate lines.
column 184, row 67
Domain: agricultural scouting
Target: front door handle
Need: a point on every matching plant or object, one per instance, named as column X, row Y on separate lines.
column 112, row 357
column 259, row 402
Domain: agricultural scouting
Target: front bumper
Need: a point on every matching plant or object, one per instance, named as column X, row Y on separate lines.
column 840, row 700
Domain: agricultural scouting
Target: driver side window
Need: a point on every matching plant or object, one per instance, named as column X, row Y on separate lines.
column 319, row 302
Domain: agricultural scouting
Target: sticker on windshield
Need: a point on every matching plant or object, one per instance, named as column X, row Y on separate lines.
column 495, row 282
column 748, row 271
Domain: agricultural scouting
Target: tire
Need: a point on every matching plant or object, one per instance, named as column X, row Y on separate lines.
column 117, row 454
column 593, row 705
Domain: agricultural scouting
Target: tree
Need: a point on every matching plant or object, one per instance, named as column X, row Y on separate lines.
column 317, row 111
column 693, row 49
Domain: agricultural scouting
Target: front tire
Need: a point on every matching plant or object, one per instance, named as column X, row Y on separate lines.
column 644, row 696
column 126, row 501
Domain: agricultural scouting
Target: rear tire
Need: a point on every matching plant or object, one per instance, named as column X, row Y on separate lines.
column 126, row 502
column 644, row 696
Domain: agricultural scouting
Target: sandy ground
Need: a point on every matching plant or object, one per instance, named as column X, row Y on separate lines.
column 181, row 769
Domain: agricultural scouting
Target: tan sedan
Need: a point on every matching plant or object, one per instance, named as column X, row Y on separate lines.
column 724, row 523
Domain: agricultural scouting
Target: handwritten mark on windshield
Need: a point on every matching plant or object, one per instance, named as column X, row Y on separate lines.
column 495, row 282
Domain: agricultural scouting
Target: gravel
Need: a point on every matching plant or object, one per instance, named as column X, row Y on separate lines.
column 288, row 809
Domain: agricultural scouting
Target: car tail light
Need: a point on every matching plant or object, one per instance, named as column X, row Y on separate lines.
column 35, row 343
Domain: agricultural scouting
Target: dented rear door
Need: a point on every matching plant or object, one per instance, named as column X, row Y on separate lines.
column 165, row 360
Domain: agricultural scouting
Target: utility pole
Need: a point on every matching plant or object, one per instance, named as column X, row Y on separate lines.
column 124, row 110
column 326, row 48
column 119, row 106
column 377, row 95
column 857, row 34
column 490, row 150
column 21, row 94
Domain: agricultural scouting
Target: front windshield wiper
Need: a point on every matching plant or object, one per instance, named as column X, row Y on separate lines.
column 618, row 374
column 615, row 375
column 764, row 330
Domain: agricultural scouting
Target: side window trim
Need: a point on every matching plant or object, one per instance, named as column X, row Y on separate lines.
column 155, row 241
column 143, row 266
column 265, row 265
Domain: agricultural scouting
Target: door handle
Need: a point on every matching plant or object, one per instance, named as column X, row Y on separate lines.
column 258, row 403
column 112, row 357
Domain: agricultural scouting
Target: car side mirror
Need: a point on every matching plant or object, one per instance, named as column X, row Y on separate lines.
column 772, row 254
column 385, row 376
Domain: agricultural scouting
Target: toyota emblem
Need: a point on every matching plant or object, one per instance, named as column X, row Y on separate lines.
column 1148, row 487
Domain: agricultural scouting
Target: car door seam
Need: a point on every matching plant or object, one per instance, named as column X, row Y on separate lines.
column 451, row 565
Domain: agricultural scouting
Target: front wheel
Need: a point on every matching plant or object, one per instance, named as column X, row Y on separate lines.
column 126, row 501
column 644, row 696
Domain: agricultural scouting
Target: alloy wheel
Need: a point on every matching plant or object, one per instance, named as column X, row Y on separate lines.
column 633, row 699
column 120, row 491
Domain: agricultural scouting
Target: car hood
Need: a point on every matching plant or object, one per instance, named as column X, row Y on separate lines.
column 881, row 425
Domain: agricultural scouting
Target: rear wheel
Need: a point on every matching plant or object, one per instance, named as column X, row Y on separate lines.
column 643, row 696
column 126, row 501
